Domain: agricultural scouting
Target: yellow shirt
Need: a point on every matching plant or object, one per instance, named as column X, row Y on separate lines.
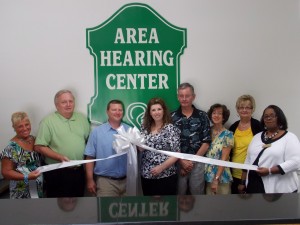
column 241, row 141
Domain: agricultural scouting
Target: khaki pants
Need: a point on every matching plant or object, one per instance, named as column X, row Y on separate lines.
column 109, row 187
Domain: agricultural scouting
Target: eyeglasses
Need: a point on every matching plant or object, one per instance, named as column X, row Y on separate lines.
column 271, row 117
column 245, row 108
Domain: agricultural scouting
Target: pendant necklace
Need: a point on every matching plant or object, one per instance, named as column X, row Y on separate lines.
column 216, row 132
column 244, row 126
column 29, row 141
column 267, row 138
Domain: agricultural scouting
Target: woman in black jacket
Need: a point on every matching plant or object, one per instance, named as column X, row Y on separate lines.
column 243, row 130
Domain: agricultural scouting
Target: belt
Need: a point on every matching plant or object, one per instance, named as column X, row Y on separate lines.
column 70, row 167
column 113, row 178
column 73, row 167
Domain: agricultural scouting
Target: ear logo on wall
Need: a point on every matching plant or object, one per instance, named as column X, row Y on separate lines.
column 136, row 57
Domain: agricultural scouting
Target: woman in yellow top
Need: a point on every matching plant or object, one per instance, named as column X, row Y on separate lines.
column 243, row 130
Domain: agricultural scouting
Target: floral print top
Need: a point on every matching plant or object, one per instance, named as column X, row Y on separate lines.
column 224, row 139
column 25, row 162
column 168, row 139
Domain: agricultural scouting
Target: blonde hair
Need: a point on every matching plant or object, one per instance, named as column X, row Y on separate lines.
column 17, row 117
column 244, row 98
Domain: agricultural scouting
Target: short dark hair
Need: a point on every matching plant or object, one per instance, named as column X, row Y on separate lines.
column 225, row 112
column 114, row 101
column 281, row 119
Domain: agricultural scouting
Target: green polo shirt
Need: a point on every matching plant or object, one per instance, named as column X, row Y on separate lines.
column 65, row 136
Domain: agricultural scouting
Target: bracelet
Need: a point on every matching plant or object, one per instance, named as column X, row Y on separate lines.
column 25, row 178
column 270, row 173
column 243, row 182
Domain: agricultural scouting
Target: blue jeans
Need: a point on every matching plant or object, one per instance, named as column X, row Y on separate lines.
column 192, row 183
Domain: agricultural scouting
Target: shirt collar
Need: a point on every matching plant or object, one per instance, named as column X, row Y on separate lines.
column 182, row 115
column 73, row 117
column 109, row 127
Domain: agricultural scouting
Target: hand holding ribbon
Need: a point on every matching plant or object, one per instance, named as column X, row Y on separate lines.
column 134, row 137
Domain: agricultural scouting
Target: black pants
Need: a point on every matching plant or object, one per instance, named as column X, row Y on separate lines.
column 234, row 185
column 65, row 182
column 163, row 186
column 255, row 184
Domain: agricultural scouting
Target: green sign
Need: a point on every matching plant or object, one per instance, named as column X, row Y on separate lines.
column 138, row 209
column 136, row 57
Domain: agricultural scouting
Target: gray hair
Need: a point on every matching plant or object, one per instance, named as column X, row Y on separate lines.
column 59, row 93
column 186, row 85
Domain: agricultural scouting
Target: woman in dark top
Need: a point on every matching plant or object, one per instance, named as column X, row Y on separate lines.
column 159, row 172
column 243, row 130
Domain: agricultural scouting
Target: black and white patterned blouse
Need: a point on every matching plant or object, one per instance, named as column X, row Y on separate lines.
column 168, row 139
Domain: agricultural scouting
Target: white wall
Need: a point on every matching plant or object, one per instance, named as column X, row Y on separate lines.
column 234, row 47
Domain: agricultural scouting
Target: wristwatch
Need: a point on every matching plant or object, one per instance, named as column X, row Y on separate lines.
column 217, row 178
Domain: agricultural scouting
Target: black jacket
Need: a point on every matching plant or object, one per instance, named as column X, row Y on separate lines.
column 255, row 126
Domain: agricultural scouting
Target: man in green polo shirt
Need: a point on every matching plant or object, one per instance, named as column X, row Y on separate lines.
column 62, row 136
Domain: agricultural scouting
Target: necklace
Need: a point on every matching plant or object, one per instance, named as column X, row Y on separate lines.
column 28, row 141
column 245, row 125
column 156, row 129
column 267, row 138
column 216, row 132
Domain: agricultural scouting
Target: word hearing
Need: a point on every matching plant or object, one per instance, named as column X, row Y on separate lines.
column 129, row 38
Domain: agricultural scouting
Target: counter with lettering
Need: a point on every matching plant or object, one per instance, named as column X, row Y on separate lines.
column 189, row 209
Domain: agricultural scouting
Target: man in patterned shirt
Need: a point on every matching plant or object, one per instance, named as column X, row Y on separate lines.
column 195, row 139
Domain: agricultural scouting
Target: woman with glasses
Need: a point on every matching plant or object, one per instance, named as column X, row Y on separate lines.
column 243, row 130
column 276, row 152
